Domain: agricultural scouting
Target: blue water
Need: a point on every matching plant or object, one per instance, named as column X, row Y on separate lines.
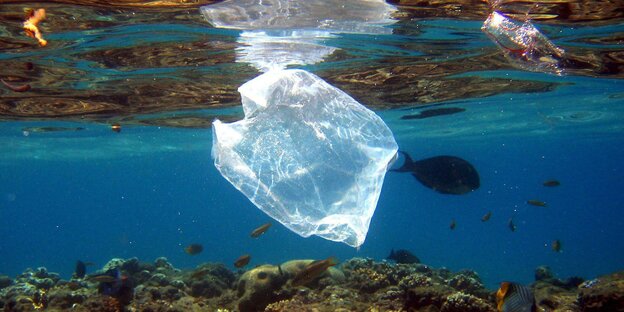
column 147, row 204
column 148, row 192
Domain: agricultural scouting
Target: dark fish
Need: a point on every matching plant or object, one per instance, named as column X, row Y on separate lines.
column 116, row 127
column 443, row 174
column 312, row 271
column 22, row 88
column 81, row 269
column 242, row 261
column 260, row 230
column 453, row 224
column 193, row 249
column 51, row 129
column 511, row 225
column 116, row 285
column 556, row 245
column 403, row 256
column 434, row 112
column 538, row 203
column 551, row 183
column 486, row 217
column 513, row 297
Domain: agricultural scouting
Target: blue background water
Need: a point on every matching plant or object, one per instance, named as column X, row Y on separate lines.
column 148, row 191
column 95, row 202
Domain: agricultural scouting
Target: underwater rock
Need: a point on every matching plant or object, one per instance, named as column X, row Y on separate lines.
column 209, row 280
column 605, row 293
column 426, row 298
column 40, row 278
column 113, row 264
column 258, row 287
column 554, row 298
column 468, row 281
column 64, row 298
column 5, row 281
column 415, row 280
column 461, row 302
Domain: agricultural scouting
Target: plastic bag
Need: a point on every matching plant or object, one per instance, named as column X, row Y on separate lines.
column 353, row 16
column 307, row 154
column 523, row 45
column 280, row 33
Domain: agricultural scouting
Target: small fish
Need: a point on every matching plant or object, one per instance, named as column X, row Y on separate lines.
column 116, row 127
column 486, row 217
column 403, row 256
column 242, row 261
column 453, row 224
column 51, row 129
column 30, row 25
column 556, row 245
column 193, row 249
column 511, row 225
column 81, row 269
column 101, row 278
column 260, row 230
column 513, row 297
column 535, row 202
column 551, row 183
column 22, row 88
column 434, row 112
column 312, row 271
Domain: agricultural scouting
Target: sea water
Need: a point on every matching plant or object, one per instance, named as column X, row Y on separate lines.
column 149, row 191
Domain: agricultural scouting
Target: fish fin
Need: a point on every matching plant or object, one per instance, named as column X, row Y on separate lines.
column 407, row 163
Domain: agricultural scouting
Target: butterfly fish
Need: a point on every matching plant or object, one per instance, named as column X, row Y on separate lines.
column 513, row 297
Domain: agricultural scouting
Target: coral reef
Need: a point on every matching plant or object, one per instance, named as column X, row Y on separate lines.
column 355, row 285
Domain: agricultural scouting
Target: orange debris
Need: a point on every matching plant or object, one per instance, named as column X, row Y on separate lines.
column 30, row 26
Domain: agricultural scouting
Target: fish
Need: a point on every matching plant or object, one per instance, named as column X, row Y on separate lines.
column 260, row 230
column 511, row 225
column 312, row 271
column 51, row 129
column 242, row 261
column 443, row 174
column 81, row 269
column 30, row 25
column 513, row 297
column 116, row 285
column 193, row 249
column 453, row 224
column 434, row 112
column 535, row 202
column 556, row 245
column 486, row 217
column 116, row 127
column 22, row 88
column 551, row 183
column 403, row 256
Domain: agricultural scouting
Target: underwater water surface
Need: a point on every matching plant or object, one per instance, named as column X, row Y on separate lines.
column 82, row 191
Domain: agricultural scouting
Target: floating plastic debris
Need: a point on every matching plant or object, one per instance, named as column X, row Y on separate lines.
column 277, row 50
column 307, row 154
column 279, row 33
column 345, row 16
column 30, row 25
column 523, row 45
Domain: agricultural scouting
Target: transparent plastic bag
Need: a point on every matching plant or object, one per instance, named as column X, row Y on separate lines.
column 307, row 154
column 523, row 45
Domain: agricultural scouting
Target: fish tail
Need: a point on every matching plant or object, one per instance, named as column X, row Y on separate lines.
column 406, row 164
